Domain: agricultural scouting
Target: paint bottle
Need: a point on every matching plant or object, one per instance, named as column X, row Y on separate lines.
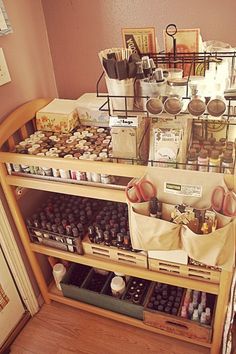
column 184, row 312
column 192, row 160
column 227, row 164
column 214, row 162
column 190, row 310
column 203, row 318
column 195, row 316
column 203, row 161
column 212, row 139
column 208, row 315
column 58, row 272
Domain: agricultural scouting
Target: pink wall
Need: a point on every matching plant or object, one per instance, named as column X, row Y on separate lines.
column 78, row 29
column 28, row 56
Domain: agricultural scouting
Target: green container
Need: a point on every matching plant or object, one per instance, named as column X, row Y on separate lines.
column 102, row 298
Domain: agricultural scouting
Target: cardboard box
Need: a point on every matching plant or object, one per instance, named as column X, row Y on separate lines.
column 58, row 116
column 88, row 110
column 175, row 256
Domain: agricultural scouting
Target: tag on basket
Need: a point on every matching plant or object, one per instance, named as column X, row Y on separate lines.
column 183, row 189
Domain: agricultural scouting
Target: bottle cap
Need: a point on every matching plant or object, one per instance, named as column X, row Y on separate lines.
column 192, row 155
column 214, row 154
column 58, row 268
column 203, row 154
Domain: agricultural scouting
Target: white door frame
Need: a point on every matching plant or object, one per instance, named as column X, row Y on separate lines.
column 17, row 267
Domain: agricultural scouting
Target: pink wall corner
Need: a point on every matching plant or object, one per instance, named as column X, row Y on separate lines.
column 79, row 29
column 28, row 56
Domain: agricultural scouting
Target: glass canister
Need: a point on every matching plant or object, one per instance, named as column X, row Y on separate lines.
column 176, row 87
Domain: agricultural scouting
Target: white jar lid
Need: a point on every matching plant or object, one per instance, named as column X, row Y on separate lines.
column 117, row 283
column 58, row 268
column 117, row 273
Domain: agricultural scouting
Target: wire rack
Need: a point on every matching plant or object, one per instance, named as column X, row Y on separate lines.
column 195, row 63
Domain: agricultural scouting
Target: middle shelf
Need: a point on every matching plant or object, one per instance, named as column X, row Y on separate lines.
column 171, row 279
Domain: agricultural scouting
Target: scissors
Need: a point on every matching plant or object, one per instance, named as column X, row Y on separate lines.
column 140, row 191
column 224, row 202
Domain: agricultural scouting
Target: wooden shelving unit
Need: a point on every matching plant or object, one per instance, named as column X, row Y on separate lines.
column 17, row 121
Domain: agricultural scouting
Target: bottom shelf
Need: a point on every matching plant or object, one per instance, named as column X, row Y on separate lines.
column 56, row 295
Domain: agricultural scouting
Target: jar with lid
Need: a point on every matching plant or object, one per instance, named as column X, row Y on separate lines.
column 176, row 87
column 203, row 161
column 117, row 286
column 214, row 162
column 59, row 271
column 192, row 160
column 227, row 165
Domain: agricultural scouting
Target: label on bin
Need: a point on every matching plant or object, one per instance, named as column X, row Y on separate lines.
column 123, row 122
column 183, row 189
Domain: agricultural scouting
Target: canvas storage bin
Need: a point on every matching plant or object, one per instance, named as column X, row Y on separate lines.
column 215, row 249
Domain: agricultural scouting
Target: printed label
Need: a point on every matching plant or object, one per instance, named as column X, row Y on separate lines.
column 123, row 122
column 183, row 189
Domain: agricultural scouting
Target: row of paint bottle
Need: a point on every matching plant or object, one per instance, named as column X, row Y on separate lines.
column 195, row 307
column 215, row 157
column 92, row 144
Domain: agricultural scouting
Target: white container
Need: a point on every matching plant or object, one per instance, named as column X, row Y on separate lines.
column 120, row 88
column 117, row 286
column 58, row 273
column 151, row 89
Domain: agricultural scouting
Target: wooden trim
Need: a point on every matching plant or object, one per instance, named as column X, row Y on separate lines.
column 66, row 188
column 115, row 169
column 16, row 264
column 126, row 269
column 19, row 221
column 220, row 311
column 12, row 336
column 23, row 132
column 58, row 296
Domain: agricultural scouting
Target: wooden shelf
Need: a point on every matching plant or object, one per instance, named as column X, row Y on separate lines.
column 126, row 269
column 57, row 295
column 66, row 188
column 23, row 117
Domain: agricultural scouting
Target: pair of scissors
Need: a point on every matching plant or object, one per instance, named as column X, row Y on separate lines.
column 224, row 202
column 138, row 191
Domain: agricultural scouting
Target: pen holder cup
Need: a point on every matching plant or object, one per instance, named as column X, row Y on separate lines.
column 150, row 90
column 121, row 88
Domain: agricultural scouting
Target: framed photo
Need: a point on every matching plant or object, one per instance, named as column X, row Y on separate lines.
column 140, row 40
column 5, row 26
column 187, row 41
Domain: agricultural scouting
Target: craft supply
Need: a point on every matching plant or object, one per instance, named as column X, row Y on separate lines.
column 224, row 201
column 195, row 316
column 138, row 191
column 58, row 272
column 214, row 162
column 166, row 298
column 203, row 161
column 192, row 160
column 227, row 165
column 117, row 286
column 155, row 208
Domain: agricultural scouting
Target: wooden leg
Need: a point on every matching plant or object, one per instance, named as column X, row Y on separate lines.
column 220, row 312
column 20, row 224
